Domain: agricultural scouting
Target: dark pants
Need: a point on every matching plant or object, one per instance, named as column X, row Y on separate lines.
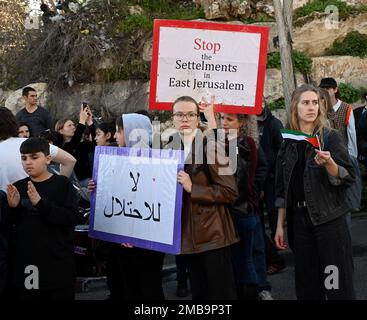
column 135, row 274
column 181, row 269
column 316, row 248
column 271, row 252
column 269, row 201
column 211, row 275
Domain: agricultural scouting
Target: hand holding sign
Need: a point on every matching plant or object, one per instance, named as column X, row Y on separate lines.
column 208, row 110
column 185, row 180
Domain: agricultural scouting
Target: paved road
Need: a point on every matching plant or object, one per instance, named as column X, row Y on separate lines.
column 283, row 282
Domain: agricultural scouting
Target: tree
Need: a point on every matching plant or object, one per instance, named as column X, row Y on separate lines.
column 283, row 15
column 12, row 35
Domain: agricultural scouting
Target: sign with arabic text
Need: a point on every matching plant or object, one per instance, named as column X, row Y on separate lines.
column 137, row 199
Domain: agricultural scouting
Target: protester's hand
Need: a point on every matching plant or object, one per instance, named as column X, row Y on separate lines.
column 279, row 238
column 127, row 245
column 323, row 158
column 13, row 196
column 83, row 115
column 207, row 108
column 185, row 180
column 90, row 116
column 33, row 194
column 91, row 186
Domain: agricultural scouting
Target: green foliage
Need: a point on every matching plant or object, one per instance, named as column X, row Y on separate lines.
column 157, row 9
column 348, row 93
column 302, row 62
column 134, row 22
column 136, row 69
column 354, row 44
column 320, row 6
column 276, row 104
column 273, row 60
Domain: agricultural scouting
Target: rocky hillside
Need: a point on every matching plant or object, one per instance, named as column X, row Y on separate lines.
column 120, row 78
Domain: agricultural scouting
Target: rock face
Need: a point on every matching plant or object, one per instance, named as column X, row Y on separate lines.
column 234, row 9
column 316, row 36
column 343, row 68
column 274, row 86
column 106, row 100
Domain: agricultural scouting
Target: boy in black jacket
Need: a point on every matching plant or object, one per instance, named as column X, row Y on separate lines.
column 44, row 212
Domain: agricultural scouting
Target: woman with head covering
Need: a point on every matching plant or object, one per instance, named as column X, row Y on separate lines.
column 135, row 273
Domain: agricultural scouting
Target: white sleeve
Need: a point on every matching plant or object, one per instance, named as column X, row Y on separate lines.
column 53, row 151
column 352, row 137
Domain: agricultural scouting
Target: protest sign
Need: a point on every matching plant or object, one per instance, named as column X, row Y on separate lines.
column 203, row 59
column 137, row 199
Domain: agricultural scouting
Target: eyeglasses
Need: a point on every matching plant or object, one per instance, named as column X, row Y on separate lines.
column 189, row 116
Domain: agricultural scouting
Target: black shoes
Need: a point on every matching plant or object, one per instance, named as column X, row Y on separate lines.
column 181, row 290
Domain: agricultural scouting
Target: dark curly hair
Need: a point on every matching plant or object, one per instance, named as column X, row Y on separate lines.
column 8, row 124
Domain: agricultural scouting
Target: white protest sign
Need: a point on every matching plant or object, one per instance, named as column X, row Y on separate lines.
column 135, row 198
column 201, row 59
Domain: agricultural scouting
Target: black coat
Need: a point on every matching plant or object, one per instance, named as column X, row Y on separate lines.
column 4, row 237
column 270, row 137
column 325, row 195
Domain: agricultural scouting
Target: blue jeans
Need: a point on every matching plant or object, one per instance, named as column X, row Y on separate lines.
column 242, row 252
column 259, row 256
column 249, row 254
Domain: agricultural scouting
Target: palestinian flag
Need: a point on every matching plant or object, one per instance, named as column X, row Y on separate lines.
column 300, row 136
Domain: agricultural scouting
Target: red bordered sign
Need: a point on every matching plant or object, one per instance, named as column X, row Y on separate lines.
column 201, row 59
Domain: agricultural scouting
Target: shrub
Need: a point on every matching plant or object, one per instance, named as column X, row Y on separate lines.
column 354, row 44
column 302, row 62
column 348, row 93
column 276, row 104
column 320, row 6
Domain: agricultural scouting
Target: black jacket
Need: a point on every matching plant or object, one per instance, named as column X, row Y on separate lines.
column 270, row 137
column 4, row 237
column 325, row 195
column 360, row 115
column 250, row 176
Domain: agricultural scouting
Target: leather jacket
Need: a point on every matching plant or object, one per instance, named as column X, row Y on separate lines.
column 206, row 222
column 325, row 195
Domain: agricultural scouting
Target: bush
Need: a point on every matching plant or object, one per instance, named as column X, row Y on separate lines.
column 276, row 104
column 348, row 93
column 320, row 6
column 134, row 22
column 354, row 44
column 302, row 63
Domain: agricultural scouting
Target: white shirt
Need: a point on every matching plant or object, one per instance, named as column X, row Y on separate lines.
column 11, row 169
column 351, row 132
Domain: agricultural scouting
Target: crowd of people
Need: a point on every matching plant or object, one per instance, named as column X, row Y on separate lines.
column 226, row 249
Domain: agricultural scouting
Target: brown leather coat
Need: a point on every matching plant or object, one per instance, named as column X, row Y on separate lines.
column 206, row 221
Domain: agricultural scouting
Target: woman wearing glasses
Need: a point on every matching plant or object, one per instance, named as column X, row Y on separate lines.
column 209, row 186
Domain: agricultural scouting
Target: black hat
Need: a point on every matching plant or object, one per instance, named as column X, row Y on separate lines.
column 328, row 83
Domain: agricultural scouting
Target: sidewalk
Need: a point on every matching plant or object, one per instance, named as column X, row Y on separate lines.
column 96, row 289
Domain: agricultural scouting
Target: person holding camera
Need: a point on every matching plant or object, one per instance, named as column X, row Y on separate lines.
column 72, row 141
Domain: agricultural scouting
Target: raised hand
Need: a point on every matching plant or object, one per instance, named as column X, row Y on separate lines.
column 13, row 196
column 33, row 194
column 83, row 115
